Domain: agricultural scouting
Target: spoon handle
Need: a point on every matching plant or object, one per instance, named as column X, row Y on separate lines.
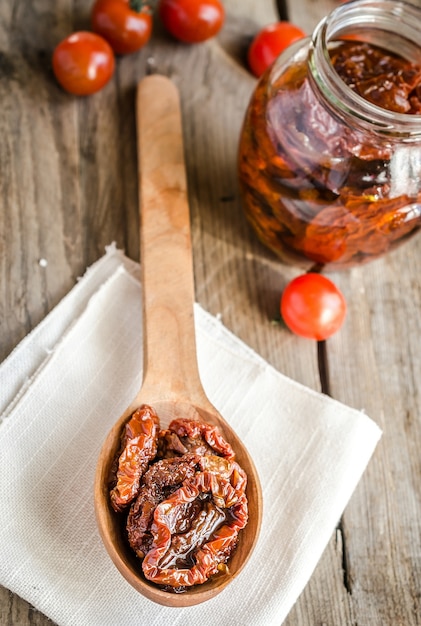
column 170, row 362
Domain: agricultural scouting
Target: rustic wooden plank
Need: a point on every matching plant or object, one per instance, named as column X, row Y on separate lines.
column 39, row 158
column 307, row 14
column 383, row 521
column 372, row 365
column 40, row 216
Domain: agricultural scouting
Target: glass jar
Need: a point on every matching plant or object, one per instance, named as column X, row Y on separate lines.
column 329, row 174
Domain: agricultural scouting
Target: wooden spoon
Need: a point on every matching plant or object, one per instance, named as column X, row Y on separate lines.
column 171, row 382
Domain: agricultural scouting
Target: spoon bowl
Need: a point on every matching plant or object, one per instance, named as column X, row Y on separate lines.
column 171, row 382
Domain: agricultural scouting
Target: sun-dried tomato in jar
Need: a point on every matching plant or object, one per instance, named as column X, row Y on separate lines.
column 330, row 151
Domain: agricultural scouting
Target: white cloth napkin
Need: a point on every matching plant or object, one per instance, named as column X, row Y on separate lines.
column 61, row 390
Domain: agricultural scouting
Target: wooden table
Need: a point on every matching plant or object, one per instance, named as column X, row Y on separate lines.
column 68, row 188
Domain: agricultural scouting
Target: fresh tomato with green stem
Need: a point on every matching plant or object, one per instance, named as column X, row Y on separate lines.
column 312, row 306
column 83, row 63
column 192, row 21
column 125, row 24
column 269, row 43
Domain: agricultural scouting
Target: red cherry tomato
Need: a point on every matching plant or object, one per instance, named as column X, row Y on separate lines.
column 192, row 21
column 125, row 24
column 83, row 63
column 313, row 307
column 269, row 43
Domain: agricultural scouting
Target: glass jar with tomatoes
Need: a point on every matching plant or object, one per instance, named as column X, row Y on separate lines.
column 330, row 150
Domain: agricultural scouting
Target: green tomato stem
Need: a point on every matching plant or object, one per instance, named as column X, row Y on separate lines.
column 141, row 5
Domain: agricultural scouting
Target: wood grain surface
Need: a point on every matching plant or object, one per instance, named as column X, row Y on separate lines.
column 68, row 188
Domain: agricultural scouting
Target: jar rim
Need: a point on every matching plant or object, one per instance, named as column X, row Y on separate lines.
column 387, row 16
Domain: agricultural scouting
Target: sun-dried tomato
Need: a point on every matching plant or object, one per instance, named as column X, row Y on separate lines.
column 138, row 447
column 162, row 478
column 183, row 484
column 381, row 77
column 191, row 436
column 225, row 468
column 183, row 554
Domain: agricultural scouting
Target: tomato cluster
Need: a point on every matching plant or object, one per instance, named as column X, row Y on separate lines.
column 83, row 62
